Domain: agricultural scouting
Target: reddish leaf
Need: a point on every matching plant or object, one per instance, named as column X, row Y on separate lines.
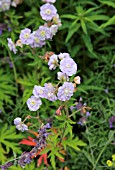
column 42, row 158
column 28, row 141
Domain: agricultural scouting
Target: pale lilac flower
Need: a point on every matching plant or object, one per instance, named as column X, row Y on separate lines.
column 77, row 80
column 57, row 20
column 17, row 121
column 11, row 45
column 37, row 42
column 53, row 62
column 48, row 11
column 62, row 76
column 65, row 91
column 38, row 91
column 49, row 92
column 4, row 5
column 49, row 1
column 44, row 33
column 53, row 30
column 26, row 36
column 34, row 103
column 22, row 127
column 68, row 66
column 63, row 55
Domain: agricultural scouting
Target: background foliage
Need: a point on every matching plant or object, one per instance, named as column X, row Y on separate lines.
column 87, row 33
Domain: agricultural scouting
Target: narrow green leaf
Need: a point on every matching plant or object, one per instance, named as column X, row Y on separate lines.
column 71, row 32
column 111, row 21
column 69, row 16
column 109, row 3
column 98, row 17
column 90, row 10
column 83, row 25
column 87, row 41
column 88, row 157
column 52, row 160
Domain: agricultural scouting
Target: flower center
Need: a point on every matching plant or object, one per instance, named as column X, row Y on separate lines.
column 68, row 65
column 48, row 11
column 36, row 40
column 49, row 94
column 66, row 91
column 26, row 36
column 33, row 102
column 42, row 33
column 40, row 91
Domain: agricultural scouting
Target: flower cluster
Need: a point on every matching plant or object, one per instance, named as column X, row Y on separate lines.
column 111, row 163
column 5, row 4
column 20, row 125
column 45, row 32
column 26, row 157
column 65, row 62
column 55, row 92
column 6, row 165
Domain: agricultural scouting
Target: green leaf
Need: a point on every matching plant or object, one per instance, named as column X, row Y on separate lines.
column 59, row 155
column 52, row 160
column 6, row 136
column 88, row 157
column 111, row 21
column 2, row 154
column 109, row 3
column 83, row 25
column 31, row 166
column 111, row 135
column 87, row 41
column 80, row 10
column 85, row 88
column 69, row 16
column 98, row 17
column 7, row 89
column 72, row 31
column 90, row 10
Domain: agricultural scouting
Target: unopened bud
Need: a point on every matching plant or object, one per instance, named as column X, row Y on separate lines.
column 19, row 43
column 58, row 112
column 48, row 55
column 77, row 80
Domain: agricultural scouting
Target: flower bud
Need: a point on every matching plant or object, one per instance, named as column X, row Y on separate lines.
column 77, row 80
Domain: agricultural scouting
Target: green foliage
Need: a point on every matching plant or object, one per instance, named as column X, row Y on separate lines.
column 31, row 166
column 7, row 136
column 28, row 81
column 7, row 89
column 85, row 19
column 87, row 33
